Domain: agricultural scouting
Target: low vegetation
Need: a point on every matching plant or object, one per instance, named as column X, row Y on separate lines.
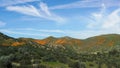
column 33, row 55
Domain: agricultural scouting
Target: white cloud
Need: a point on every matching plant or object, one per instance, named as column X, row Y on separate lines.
column 87, row 4
column 113, row 20
column 77, row 4
column 42, row 12
column 106, row 23
column 23, row 33
column 2, row 24
column 45, row 8
column 4, row 3
column 96, row 18
column 28, row 10
column 38, row 30
column 103, row 21
column 35, row 33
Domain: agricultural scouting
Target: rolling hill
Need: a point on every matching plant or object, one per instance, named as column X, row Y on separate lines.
column 95, row 52
column 96, row 42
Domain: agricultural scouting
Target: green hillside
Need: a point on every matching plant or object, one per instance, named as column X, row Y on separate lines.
column 66, row 52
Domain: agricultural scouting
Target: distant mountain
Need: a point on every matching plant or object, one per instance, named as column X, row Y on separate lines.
column 109, row 40
column 101, row 43
column 9, row 41
column 95, row 43
column 59, row 41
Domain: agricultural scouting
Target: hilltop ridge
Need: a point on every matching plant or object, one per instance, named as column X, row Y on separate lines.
column 101, row 40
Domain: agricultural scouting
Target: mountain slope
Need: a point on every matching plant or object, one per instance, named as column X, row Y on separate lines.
column 65, row 52
column 109, row 40
column 59, row 41
column 102, row 41
column 4, row 37
column 5, row 40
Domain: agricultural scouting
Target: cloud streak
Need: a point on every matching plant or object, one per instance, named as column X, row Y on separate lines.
column 38, row 30
column 28, row 10
column 96, row 18
column 22, row 33
column 42, row 12
column 4, row 3
column 88, row 4
column 104, row 23
column 81, row 34
column 100, row 22
column 113, row 20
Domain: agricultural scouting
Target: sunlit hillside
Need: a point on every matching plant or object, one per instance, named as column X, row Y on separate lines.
column 95, row 52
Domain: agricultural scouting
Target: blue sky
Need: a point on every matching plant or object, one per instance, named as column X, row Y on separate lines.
column 74, row 18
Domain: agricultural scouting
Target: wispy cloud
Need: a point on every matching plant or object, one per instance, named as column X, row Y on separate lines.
column 96, row 18
column 42, row 12
column 2, row 24
column 22, row 33
column 36, row 33
column 28, row 10
column 39, row 30
column 44, row 8
column 103, row 22
column 87, row 4
column 4, row 3
column 112, row 20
